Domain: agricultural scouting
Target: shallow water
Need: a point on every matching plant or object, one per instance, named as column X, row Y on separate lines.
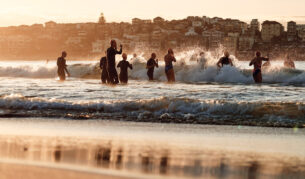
column 149, row 150
column 202, row 94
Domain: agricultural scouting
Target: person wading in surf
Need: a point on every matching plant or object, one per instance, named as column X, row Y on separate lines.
column 103, row 66
column 124, row 65
column 169, row 68
column 62, row 67
column 225, row 60
column 257, row 62
column 151, row 64
column 111, row 53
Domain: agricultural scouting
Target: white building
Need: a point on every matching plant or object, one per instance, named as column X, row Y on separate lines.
column 197, row 24
column 15, row 42
column 213, row 37
column 254, row 26
column 301, row 31
column 97, row 46
column 73, row 40
column 271, row 29
column 291, row 31
column 191, row 32
column 82, row 33
column 245, row 43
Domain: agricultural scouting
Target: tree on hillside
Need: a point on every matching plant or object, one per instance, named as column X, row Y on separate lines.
column 102, row 19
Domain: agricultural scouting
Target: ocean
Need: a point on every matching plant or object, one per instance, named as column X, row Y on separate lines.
column 202, row 94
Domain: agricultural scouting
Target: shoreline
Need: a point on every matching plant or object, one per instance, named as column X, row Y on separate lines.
column 169, row 120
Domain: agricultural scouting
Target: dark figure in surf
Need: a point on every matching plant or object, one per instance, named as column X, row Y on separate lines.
column 257, row 62
column 111, row 53
column 62, row 67
column 201, row 55
column 151, row 64
column 225, row 60
column 124, row 65
column 169, row 68
column 103, row 66
column 202, row 60
column 288, row 63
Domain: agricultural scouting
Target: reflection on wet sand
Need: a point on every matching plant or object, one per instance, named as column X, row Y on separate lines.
column 145, row 159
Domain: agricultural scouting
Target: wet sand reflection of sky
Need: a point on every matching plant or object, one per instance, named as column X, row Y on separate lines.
column 150, row 160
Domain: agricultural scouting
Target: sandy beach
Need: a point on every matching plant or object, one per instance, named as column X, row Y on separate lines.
column 16, row 170
column 42, row 148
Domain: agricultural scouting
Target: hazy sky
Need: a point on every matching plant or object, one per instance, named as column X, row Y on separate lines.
column 16, row 12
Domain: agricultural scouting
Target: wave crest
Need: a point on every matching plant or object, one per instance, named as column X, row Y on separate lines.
column 155, row 108
column 190, row 68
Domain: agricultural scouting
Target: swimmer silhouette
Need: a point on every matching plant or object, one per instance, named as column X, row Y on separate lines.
column 151, row 64
column 62, row 66
column 257, row 71
column 103, row 66
column 225, row 60
column 169, row 68
column 111, row 53
column 124, row 65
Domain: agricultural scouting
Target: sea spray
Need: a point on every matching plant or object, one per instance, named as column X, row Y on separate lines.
column 190, row 68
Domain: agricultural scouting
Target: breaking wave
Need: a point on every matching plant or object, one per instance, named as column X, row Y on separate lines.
column 190, row 68
column 158, row 108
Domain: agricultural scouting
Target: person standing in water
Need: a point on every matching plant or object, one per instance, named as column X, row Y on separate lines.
column 103, row 66
column 225, row 60
column 257, row 62
column 62, row 67
column 111, row 53
column 288, row 63
column 169, row 68
column 124, row 65
column 151, row 64
column 202, row 61
column 135, row 57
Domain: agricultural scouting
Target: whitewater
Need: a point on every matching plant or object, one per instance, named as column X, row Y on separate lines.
column 202, row 94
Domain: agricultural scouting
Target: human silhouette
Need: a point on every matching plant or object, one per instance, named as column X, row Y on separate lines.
column 225, row 60
column 103, row 66
column 62, row 67
column 169, row 68
column 151, row 64
column 257, row 71
column 111, row 53
column 124, row 65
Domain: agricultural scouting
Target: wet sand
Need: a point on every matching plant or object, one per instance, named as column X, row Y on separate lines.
column 22, row 171
column 110, row 149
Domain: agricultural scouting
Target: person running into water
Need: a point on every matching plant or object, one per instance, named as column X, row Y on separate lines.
column 103, row 66
column 124, row 65
column 202, row 61
column 257, row 62
column 135, row 57
column 225, row 60
column 151, row 64
column 62, row 67
column 169, row 68
column 288, row 63
column 111, row 53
